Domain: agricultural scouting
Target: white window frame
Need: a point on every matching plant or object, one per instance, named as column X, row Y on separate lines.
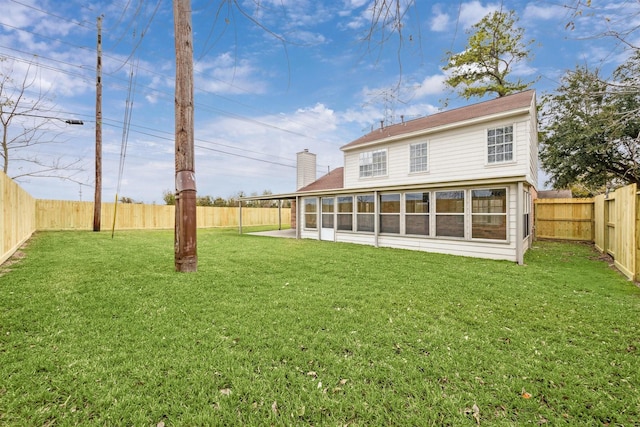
column 490, row 215
column 397, row 215
column 423, row 158
column 406, row 214
column 444, row 214
column 372, row 164
column 343, row 214
column 497, row 142
column 370, row 215
column 304, row 204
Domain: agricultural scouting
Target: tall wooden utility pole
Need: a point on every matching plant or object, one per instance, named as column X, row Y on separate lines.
column 186, row 258
column 97, row 203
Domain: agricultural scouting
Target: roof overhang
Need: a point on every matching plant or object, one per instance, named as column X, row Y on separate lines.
column 419, row 186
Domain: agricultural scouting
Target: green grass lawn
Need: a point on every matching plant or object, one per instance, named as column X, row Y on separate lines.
column 101, row 331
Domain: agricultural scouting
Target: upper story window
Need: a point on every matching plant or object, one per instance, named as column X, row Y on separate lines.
column 418, row 157
column 373, row 163
column 500, row 144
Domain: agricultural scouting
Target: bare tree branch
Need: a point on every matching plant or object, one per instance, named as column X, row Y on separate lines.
column 27, row 121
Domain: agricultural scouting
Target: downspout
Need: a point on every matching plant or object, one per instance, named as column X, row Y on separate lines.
column 280, row 214
column 519, row 223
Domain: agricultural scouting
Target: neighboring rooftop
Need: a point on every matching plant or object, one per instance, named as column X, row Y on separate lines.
column 555, row 194
column 333, row 180
column 486, row 108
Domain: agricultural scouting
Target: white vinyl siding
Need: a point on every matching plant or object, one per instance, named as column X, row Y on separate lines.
column 453, row 155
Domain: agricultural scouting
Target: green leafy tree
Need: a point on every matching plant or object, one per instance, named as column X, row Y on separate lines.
column 590, row 129
column 169, row 197
column 494, row 47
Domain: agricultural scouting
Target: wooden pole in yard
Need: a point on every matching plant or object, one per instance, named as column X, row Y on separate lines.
column 97, row 201
column 186, row 259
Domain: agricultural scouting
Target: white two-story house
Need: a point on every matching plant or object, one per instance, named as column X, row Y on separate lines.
column 457, row 182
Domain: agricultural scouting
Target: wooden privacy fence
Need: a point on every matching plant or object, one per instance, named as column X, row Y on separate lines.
column 17, row 217
column 22, row 215
column 611, row 222
column 566, row 219
column 66, row 215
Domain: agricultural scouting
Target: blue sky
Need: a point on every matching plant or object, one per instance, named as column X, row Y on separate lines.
column 259, row 100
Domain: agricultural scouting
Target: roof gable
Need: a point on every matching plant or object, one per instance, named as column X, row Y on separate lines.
column 487, row 108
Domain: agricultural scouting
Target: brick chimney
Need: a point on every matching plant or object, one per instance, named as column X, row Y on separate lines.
column 306, row 168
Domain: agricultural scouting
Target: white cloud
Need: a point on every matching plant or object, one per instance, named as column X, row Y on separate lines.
column 534, row 11
column 431, row 85
column 472, row 12
column 439, row 22
column 229, row 75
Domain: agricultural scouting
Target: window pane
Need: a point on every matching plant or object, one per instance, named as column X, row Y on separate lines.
column 417, row 224
column 327, row 204
column 450, row 201
column 390, row 203
column 489, row 201
column 345, row 204
column 327, row 220
column 450, row 225
column 390, row 224
column 365, row 222
column 310, row 209
column 310, row 205
column 373, row 163
column 416, row 203
column 345, row 222
column 489, row 227
column 310, row 221
column 500, row 144
column 366, row 204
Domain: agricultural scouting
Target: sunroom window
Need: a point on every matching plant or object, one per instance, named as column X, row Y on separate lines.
column 390, row 213
column 416, row 207
column 489, row 214
column 327, row 212
column 450, row 213
column 366, row 212
column 345, row 213
column 311, row 213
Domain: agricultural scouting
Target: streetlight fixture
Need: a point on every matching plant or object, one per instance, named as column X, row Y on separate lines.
column 74, row 122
